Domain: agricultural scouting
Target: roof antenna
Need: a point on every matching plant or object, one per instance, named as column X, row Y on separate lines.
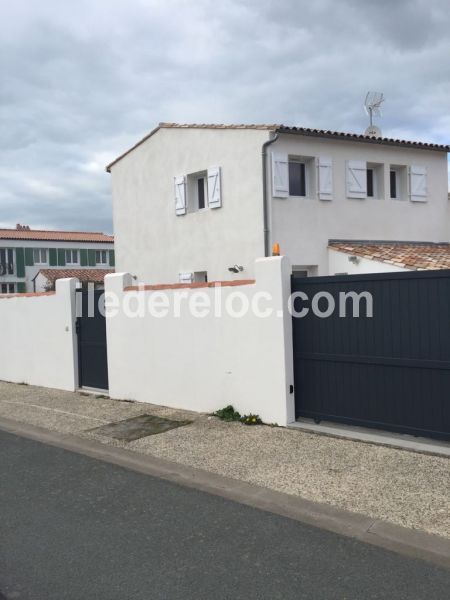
column 372, row 105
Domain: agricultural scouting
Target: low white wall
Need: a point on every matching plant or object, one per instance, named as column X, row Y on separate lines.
column 204, row 364
column 38, row 341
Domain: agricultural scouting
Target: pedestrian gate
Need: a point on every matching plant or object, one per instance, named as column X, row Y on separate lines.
column 389, row 371
column 91, row 331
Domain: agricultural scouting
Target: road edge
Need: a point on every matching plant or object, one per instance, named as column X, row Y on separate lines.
column 410, row 542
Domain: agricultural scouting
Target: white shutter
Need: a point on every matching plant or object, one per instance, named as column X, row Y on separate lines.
column 356, row 179
column 214, row 188
column 185, row 277
column 280, row 175
column 418, row 183
column 180, row 195
column 325, row 177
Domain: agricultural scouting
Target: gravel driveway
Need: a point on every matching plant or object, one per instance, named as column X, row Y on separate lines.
column 399, row 486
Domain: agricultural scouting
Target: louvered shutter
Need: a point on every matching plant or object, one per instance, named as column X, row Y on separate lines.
column 356, row 179
column 418, row 183
column 280, row 175
column 214, row 188
column 325, row 177
column 180, row 195
column 186, row 277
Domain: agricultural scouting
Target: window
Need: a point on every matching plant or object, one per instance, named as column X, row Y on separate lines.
column 297, row 178
column 40, row 256
column 200, row 276
column 8, row 288
column 197, row 191
column 393, row 183
column 370, row 186
column 6, row 261
column 71, row 257
column 101, row 257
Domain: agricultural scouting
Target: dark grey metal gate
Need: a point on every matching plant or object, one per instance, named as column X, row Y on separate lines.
column 92, row 351
column 391, row 371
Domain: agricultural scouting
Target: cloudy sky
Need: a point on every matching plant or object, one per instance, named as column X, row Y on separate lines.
column 83, row 80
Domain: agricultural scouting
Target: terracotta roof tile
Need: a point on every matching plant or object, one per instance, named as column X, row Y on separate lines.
column 323, row 133
column 83, row 275
column 55, row 236
column 410, row 255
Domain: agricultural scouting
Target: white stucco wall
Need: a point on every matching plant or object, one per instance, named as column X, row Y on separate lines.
column 303, row 226
column 38, row 341
column 339, row 263
column 204, row 364
column 154, row 244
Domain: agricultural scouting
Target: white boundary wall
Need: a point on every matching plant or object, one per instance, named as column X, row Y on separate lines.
column 204, row 364
column 37, row 338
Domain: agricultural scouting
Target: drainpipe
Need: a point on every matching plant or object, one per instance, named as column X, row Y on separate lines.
column 265, row 198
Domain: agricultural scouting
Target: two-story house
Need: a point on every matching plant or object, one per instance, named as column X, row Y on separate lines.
column 26, row 256
column 195, row 202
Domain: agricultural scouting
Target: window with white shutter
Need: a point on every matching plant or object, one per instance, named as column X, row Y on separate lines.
column 280, row 175
column 356, row 179
column 325, row 177
column 214, row 188
column 186, row 277
column 418, row 183
column 180, row 195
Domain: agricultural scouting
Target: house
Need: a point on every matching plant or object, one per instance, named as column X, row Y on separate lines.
column 196, row 202
column 354, row 257
column 24, row 252
column 45, row 279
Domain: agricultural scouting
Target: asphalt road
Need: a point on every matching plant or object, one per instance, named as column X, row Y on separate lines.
column 72, row 527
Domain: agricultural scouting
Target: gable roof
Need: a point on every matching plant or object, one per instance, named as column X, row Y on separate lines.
column 55, row 236
column 416, row 256
column 83, row 275
column 274, row 128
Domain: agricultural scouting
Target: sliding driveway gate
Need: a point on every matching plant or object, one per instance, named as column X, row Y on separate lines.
column 389, row 371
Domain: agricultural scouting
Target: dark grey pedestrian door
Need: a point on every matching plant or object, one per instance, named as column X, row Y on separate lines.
column 391, row 371
column 91, row 330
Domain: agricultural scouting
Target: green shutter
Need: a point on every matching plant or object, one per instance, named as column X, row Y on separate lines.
column 83, row 258
column 91, row 258
column 20, row 262
column 112, row 258
column 29, row 261
column 61, row 257
column 52, row 257
column 21, row 289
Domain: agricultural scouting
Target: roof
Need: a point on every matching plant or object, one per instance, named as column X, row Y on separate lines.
column 55, row 236
column 83, row 275
column 415, row 256
column 323, row 133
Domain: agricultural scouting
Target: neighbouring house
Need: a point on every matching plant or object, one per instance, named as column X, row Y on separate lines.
column 353, row 257
column 201, row 202
column 45, row 280
column 24, row 252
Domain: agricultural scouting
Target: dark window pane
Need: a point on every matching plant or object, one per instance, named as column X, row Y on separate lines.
column 201, row 193
column 393, row 184
column 297, row 184
column 370, row 183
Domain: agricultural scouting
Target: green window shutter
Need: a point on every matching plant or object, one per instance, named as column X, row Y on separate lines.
column 20, row 262
column 29, row 261
column 112, row 258
column 83, row 258
column 21, row 289
column 61, row 257
column 91, row 258
column 52, row 257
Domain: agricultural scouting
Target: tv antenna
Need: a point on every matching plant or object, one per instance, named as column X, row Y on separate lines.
column 372, row 104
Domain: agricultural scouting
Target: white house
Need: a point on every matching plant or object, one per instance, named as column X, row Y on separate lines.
column 24, row 252
column 196, row 202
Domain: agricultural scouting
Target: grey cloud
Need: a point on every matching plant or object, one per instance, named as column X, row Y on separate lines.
column 82, row 81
